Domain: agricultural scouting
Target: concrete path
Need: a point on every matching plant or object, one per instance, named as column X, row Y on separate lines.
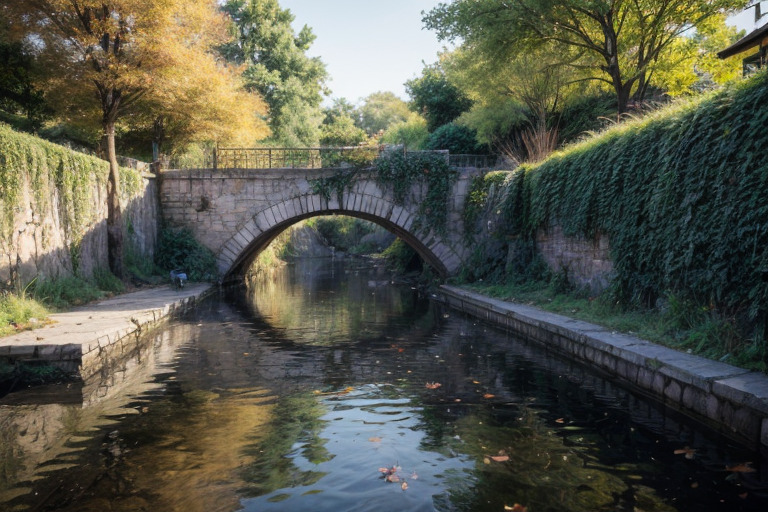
column 79, row 335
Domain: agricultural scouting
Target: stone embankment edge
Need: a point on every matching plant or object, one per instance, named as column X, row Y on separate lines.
column 93, row 351
column 731, row 399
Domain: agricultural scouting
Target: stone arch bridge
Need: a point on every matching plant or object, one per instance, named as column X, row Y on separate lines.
column 237, row 212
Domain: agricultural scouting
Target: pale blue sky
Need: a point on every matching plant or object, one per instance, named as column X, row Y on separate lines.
column 367, row 45
column 376, row 45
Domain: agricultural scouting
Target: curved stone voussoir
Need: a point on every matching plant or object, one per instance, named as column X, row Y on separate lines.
column 270, row 202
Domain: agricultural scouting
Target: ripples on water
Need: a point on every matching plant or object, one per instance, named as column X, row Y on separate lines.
column 327, row 388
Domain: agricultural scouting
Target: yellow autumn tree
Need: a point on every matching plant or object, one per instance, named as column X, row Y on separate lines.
column 105, row 58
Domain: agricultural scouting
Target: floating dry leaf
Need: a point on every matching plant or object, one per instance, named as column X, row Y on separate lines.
column 745, row 467
column 375, row 440
column 516, row 508
column 688, row 452
column 560, row 420
column 500, row 458
column 404, row 485
column 488, row 395
column 432, row 385
column 393, row 478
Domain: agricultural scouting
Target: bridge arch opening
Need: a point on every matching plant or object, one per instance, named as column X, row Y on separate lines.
column 247, row 257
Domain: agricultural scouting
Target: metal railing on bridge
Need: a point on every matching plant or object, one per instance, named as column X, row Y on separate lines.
column 312, row 158
column 293, row 158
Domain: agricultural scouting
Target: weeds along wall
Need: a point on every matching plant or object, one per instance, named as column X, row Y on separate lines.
column 53, row 211
column 682, row 197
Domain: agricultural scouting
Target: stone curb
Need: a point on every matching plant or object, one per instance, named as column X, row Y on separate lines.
column 86, row 338
column 733, row 400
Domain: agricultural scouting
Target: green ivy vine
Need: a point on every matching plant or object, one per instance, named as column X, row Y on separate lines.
column 51, row 171
column 680, row 194
column 400, row 173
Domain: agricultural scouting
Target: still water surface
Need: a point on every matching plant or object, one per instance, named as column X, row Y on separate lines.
column 327, row 388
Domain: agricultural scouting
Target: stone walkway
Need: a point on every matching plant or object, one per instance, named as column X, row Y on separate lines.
column 79, row 335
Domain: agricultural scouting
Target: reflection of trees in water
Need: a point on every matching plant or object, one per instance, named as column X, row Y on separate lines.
column 545, row 471
column 324, row 302
column 296, row 421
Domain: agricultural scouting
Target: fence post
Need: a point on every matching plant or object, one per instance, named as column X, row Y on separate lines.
column 215, row 157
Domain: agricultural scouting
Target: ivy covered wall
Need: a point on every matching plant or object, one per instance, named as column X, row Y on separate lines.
column 53, row 210
column 682, row 197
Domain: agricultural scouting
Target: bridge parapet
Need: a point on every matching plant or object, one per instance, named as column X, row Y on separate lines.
column 237, row 212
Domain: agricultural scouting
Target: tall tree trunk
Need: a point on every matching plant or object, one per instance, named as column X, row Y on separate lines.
column 114, row 212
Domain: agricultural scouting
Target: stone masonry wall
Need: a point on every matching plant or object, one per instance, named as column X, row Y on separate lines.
column 41, row 244
column 586, row 262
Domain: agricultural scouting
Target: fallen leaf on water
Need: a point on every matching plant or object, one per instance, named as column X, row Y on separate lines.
column 688, row 452
column 384, row 470
column 746, row 467
column 393, row 478
column 414, row 476
column 404, row 486
column 500, row 458
column 475, row 382
column 432, row 385
column 488, row 395
column 516, row 508
column 374, row 439
column 560, row 420
column 486, row 460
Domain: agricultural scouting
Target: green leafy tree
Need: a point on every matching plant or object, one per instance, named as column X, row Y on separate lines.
column 19, row 95
column 277, row 66
column 411, row 133
column 693, row 64
column 339, row 128
column 380, row 110
column 435, row 98
column 455, row 138
column 341, row 131
column 102, row 59
column 618, row 42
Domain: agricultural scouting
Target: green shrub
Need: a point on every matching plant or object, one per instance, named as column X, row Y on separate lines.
column 399, row 256
column 17, row 311
column 456, row 138
column 64, row 292
column 342, row 232
column 178, row 249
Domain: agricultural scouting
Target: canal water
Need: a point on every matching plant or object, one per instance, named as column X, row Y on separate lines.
column 326, row 387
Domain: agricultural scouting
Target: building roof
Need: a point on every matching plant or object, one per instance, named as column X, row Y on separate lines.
column 745, row 43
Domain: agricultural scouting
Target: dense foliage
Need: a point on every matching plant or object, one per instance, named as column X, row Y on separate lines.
column 681, row 196
column 456, row 138
column 178, row 250
column 400, row 172
column 436, row 98
column 616, row 42
column 45, row 166
column 278, row 67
